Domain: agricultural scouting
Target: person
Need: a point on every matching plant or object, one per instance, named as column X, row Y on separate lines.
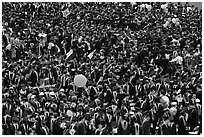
column 146, row 123
column 132, row 54
column 193, row 116
column 182, row 124
column 167, row 127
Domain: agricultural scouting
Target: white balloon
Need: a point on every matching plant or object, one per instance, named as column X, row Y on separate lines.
column 80, row 80
column 164, row 101
column 173, row 111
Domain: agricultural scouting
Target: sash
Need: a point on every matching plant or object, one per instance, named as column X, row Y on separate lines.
column 124, row 124
column 25, row 128
column 16, row 128
column 45, row 130
column 109, row 117
column 137, row 128
column 115, row 95
column 51, row 124
column 114, row 109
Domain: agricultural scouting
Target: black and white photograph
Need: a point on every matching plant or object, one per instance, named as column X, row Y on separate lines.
column 101, row 68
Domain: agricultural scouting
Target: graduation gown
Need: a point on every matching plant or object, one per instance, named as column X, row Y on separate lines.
column 80, row 128
column 193, row 118
column 124, row 128
column 182, row 126
column 45, row 130
column 168, row 128
column 135, row 128
column 56, row 129
column 9, row 129
column 23, row 127
column 93, row 93
column 146, row 127
column 34, row 78
column 132, row 90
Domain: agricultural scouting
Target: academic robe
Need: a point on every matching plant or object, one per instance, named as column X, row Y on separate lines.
column 135, row 128
column 146, row 127
column 132, row 90
column 9, row 129
column 168, row 128
column 80, row 128
column 93, row 92
column 45, row 130
column 5, row 40
column 23, row 127
column 182, row 126
column 57, row 130
column 123, row 128
column 34, row 78
column 193, row 118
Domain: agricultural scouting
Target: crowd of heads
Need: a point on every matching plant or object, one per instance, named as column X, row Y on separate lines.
column 142, row 62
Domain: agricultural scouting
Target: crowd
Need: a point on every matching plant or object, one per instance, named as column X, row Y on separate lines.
column 142, row 61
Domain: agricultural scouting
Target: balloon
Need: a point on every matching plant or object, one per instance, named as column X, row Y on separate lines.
column 80, row 80
column 164, row 101
column 173, row 111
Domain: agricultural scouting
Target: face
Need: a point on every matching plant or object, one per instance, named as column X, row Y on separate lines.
column 100, row 127
column 194, row 96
